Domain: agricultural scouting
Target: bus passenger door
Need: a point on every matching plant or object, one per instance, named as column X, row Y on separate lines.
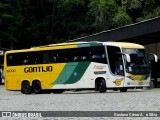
column 116, row 67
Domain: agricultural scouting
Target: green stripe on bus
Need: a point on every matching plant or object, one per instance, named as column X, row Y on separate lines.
column 89, row 45
column 72, row 72
column 70, row 68
column 78, row 72
column 96, row 44
column 66, row 73
column 61, row 77
column 83, row 45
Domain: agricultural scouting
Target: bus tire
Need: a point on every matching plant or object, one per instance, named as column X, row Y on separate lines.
column 36, row 87
column 26, row 88
column 123, row 89
column 102, row 86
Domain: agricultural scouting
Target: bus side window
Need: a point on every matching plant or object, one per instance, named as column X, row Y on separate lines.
column 30, row 58
column 36, row 57
column 66, row 56
column 103, row 58
column 84, row 54
column 52, row 58
column 10, row 60
column 98, row 55
column 95, row 57
column 76, row 58
column 45, row 57
column 26, row 60
column 35, row 61
column 83, row 58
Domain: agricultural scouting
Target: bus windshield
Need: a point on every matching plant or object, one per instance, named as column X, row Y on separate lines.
column 139, row 61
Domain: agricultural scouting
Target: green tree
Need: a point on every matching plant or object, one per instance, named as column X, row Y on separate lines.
column 5, row 22
column 103, row 12
column 139, row 9
column 121, row 18
column 26, row 23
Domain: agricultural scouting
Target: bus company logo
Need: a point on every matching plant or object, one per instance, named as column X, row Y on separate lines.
column 38, row 69
column 11, row 70
column 118, row 82
column 101, row 67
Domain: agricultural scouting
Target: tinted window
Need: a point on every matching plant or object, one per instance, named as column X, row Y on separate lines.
column 81, row 54
column 98, row 55
column 25, row 58
column 94, row 54
column 115, row 60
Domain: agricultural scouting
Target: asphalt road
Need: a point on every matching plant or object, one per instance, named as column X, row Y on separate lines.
column 133, row 100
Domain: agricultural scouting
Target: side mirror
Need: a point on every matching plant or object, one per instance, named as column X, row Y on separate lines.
column 155, row 57
column 128, row 58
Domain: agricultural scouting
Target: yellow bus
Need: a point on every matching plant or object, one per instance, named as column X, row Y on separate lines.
column 77, row 66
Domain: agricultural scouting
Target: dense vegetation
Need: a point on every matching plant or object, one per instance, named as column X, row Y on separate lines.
column 25, row 23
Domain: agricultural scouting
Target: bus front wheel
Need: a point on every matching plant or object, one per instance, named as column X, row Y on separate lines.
column 36, row 87
column 26, row 88
column 102, row 86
